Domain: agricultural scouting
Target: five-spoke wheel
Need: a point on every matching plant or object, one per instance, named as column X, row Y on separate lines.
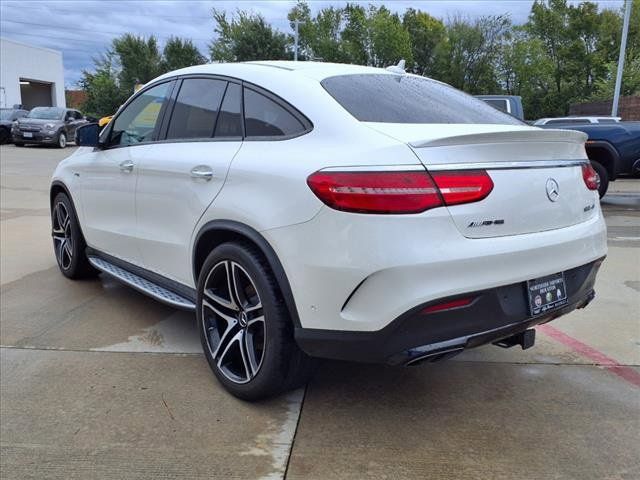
column 62, row 238
column 245, row 327
column 68, row 242
column 233, row 319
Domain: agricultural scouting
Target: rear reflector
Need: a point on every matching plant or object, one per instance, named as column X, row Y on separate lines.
column 439, row 307
column 398, row 192
column 463, row 186
column 590, row 177
column 376, row 192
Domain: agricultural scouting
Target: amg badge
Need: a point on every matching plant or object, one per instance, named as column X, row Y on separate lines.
column 485, row 223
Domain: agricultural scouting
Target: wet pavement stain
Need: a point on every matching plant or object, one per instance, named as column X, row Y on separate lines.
column 633, row 284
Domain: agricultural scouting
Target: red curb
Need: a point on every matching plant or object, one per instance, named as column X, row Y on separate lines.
column 599, row 358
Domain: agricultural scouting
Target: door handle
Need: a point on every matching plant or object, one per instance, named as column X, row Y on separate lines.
column 202, row 171
column 126, row 166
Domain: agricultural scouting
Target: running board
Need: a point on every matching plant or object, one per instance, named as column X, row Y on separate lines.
column 142, row 284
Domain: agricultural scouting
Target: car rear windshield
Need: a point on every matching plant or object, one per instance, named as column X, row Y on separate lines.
column 46, row 113
column 390, row 98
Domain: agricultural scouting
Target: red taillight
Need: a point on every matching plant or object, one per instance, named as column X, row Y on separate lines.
column 463, row 186
column 398, row 192
column 590, row 177
column 439, row 307
column 376, row 192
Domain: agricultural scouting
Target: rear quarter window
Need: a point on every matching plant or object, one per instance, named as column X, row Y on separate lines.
column 389, row 98
column 265, row 118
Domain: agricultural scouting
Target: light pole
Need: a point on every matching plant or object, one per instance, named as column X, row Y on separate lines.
column 295, row 41
column 623, row 47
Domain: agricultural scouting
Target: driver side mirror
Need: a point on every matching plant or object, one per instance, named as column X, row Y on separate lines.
column 88, row 135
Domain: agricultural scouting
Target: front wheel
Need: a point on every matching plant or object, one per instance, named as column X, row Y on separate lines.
column 68, row 243
column 62, row 140
column 245, row 327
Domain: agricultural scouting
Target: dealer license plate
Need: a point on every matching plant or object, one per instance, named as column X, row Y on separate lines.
column 546, row 293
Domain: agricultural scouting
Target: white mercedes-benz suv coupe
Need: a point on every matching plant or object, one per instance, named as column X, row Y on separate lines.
column 309, row 209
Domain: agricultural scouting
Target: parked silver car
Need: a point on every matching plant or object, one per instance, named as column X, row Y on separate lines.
column 48, row 125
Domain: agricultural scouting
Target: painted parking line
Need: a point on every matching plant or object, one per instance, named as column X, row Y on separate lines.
column 599, row 358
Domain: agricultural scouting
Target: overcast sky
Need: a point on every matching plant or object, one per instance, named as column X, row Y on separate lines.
column 84, row 29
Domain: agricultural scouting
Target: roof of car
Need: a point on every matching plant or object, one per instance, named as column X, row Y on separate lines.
column 277, row 68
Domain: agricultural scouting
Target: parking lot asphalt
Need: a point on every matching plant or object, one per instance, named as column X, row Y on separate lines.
column 99, row 381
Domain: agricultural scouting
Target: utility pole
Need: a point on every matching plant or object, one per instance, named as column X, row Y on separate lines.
column 295, row 41
column 623, row 47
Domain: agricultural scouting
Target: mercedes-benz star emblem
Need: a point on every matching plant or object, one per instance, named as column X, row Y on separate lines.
column 553, row 190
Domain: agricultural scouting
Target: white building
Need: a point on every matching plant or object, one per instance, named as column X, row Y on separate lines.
column 30, row 76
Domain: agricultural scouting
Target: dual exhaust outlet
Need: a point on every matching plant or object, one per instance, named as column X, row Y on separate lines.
column 525, row 339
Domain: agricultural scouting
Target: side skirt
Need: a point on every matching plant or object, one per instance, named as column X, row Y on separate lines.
column 149, row 283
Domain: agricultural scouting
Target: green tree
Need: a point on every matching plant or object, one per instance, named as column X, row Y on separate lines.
column 104, row 95
column 469, row 57
column 389, row 40
column 139, row 60
column 180, row 53
column 524, row 69
column 426, row 34
column 245, row 37
column 610, row 43
column 319, row 37
column 355, row 35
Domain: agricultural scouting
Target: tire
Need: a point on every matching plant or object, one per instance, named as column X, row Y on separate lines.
column 68, row 243
column 604, row 177
column 61, row 141
column 250, row 347
column 18, row 144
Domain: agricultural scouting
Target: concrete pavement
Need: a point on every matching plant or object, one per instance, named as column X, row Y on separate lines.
column 99, row 381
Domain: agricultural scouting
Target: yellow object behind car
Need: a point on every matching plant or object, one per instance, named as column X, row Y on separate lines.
column 104, row 120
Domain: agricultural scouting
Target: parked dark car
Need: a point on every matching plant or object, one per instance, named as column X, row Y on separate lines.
column 7, row 117
column 613, row 149
column 48, row 125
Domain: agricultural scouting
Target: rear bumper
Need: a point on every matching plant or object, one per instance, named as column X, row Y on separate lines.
column 371, row 269
column 494, row 314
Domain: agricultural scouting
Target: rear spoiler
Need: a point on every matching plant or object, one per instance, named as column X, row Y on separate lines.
column 516, row 136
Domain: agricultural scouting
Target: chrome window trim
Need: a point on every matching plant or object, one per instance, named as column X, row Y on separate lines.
column 509, row 165
column 461, row 166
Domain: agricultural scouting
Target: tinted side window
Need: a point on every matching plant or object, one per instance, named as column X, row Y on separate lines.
column 501, row 105
column 230, row 120
column 137, row 122
column 77, row 115
column 265, row 118
column 196, row 108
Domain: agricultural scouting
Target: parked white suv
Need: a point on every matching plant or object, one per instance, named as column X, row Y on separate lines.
column 576, row 120
column 321, row 210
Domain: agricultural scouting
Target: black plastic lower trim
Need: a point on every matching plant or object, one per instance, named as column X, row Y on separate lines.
column 229, row 226
column 494, row 314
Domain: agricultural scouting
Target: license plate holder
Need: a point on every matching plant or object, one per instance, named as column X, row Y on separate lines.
column 27, row 134
column 546, row 293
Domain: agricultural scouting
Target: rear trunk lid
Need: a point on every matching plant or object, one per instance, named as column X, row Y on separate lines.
column 537, row 174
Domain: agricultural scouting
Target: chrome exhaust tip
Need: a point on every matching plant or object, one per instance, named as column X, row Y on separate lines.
column 434, row 356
